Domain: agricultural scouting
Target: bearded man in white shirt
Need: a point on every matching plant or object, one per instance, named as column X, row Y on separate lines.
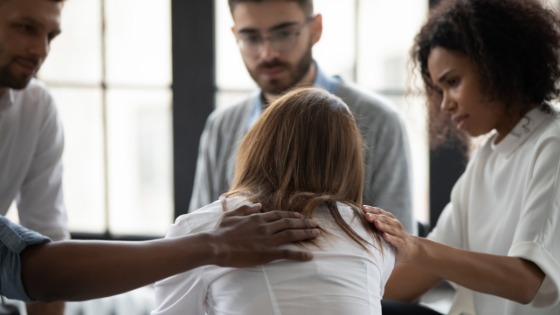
column 31, row 136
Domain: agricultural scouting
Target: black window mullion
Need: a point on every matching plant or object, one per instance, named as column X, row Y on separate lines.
column 193, row 26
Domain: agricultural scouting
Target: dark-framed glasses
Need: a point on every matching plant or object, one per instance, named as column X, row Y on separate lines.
column 281, row 40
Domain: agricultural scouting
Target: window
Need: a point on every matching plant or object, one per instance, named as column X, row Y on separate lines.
column 110, row 75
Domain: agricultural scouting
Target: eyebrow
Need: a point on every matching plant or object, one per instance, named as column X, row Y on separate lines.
column 272, row 29
column 55, row 32
column 444, row 76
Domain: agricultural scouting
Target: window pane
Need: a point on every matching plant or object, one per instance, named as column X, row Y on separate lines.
column 140, row 161
column 138, row 42
column 336, row 52
column 383, row 54
column 80, row 111
column 76, row 53
column 230, row 69
column 413, row 111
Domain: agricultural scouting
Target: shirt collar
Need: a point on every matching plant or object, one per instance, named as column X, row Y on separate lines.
column 520, row 133
column 321, row 80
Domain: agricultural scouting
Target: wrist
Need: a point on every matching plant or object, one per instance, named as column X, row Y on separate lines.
column 217, row 253
column 197, row 250
column 421, row 254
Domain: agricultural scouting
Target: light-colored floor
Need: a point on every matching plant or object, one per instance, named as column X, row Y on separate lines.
column 439, row 298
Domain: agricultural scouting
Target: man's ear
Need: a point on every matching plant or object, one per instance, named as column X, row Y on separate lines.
column 316, row 28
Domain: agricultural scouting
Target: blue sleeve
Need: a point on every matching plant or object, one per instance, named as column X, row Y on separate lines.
column 13, row 240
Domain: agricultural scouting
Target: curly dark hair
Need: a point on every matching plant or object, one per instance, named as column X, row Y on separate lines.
column 514, row 44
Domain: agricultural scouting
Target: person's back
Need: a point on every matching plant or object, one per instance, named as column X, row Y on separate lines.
column 342, row 278
column 305, row 155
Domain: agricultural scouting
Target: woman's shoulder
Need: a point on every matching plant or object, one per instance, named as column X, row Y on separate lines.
column 200, row 220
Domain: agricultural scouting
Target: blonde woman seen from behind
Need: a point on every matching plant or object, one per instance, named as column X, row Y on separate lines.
column 304, row 155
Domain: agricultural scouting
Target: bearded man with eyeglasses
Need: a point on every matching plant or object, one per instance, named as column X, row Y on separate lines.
column 276, row 39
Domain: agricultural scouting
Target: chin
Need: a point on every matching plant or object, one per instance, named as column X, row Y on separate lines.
column 276, row 89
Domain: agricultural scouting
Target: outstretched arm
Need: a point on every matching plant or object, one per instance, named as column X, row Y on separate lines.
column 80, row 270
column 491, row 274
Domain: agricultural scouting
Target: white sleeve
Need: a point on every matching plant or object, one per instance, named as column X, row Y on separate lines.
column 40, row 200
column 451, row 226
column 536, row 235
column 185, row 293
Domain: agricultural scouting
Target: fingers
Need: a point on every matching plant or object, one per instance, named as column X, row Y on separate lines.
column 276, row 215
column 293, row 235
column 281, row 220
column 244, row 210
column 387, row 230
column 369, row 211
column 247, row 238
column 282, row 227
column 385, row 222
column 374, row 213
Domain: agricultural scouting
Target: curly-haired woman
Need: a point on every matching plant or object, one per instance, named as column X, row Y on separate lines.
column 490, row 67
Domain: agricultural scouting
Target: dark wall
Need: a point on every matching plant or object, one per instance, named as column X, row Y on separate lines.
column 193, row 88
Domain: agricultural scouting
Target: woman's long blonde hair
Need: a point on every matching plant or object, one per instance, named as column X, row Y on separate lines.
column 304, row 152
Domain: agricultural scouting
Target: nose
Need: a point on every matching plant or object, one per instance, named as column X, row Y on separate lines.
column 268, row 51
column 447, row 103
column 40, row 48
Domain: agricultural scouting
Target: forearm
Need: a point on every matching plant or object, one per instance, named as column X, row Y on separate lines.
column 408, row 283
column 80, row 270
column 41, row 308
column 508, row 277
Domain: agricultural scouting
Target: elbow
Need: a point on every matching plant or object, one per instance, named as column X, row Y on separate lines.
column 525, row 294
column 524, row 298
column 527, row 290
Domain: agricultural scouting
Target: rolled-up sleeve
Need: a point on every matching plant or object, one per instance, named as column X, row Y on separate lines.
column 13, row 240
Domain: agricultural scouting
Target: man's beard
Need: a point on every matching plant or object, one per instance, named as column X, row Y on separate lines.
column 296, row 73
column 8, row 79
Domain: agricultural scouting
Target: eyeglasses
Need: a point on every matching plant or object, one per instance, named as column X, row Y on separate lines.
column 281, row 40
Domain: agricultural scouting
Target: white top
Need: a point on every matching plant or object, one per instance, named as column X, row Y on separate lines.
column 341, row 279
column 31, row 144
column 508, row 203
